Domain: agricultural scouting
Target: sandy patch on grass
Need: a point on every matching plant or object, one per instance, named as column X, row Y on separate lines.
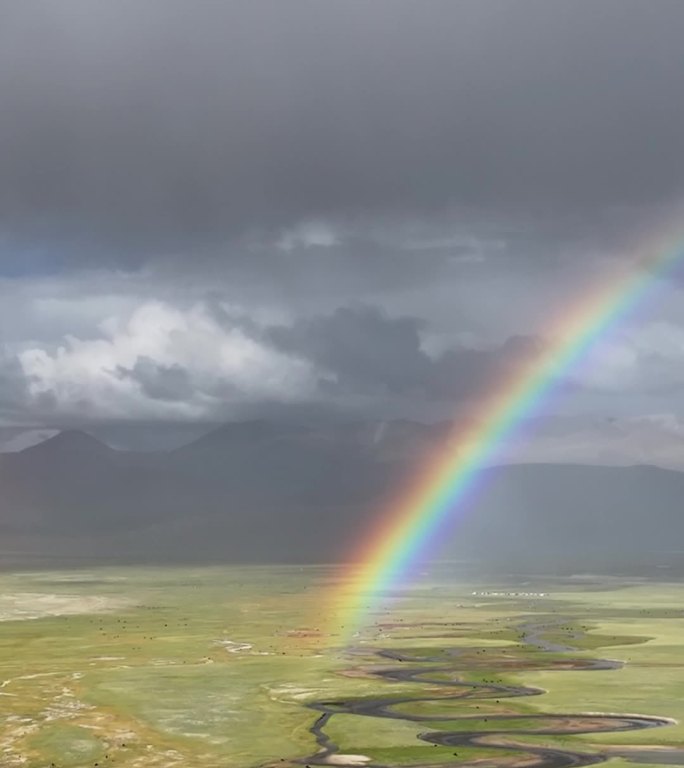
column 18, row 606
column 348, row 760
column 233, row 647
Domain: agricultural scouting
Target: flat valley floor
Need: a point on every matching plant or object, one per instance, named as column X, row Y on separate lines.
column 226, row 667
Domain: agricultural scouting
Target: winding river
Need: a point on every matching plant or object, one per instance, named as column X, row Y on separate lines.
column 515, row 753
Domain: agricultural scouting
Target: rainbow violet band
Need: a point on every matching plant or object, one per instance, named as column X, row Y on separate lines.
column 406, row 532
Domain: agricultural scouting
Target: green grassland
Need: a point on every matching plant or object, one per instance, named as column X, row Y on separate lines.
column 213, row 667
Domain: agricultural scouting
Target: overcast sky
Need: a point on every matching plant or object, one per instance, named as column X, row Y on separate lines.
column 212, row 211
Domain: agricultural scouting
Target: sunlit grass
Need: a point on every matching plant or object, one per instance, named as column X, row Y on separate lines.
column 207, row 667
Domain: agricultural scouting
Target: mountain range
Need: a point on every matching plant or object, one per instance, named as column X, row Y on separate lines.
column 262, row 491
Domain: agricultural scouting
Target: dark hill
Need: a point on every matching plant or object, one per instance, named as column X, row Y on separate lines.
column 261, row 491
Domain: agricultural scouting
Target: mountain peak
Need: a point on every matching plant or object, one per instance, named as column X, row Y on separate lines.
column 69, row 441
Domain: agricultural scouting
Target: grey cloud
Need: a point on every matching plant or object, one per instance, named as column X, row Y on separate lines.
column 467, row 373
column 168, row 126
column 13, row 388
column 384, row 191
column 361, row 346
column 159, row 382
column 368, row 353
column 364, row 362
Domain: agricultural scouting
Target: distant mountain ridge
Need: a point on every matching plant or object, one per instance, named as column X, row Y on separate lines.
column 68, row 442
column 269, row 491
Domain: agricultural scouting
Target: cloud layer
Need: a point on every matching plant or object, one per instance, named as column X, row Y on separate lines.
column 168, row 128
column 252, row 207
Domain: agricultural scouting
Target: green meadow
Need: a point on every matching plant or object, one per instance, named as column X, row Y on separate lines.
column 225, row 666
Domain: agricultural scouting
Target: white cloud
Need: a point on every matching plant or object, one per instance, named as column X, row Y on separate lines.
column 223, row 366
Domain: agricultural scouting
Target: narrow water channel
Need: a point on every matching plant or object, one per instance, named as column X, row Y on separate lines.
column 444, row 672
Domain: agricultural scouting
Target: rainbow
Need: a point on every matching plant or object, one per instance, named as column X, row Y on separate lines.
column 407, row 530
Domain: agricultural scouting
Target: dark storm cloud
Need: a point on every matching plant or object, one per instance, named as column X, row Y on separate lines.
column 167, row 126
column 365, row 352
column 361, row 346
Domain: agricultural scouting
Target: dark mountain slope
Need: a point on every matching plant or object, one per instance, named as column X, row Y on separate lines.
column 261, row 491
